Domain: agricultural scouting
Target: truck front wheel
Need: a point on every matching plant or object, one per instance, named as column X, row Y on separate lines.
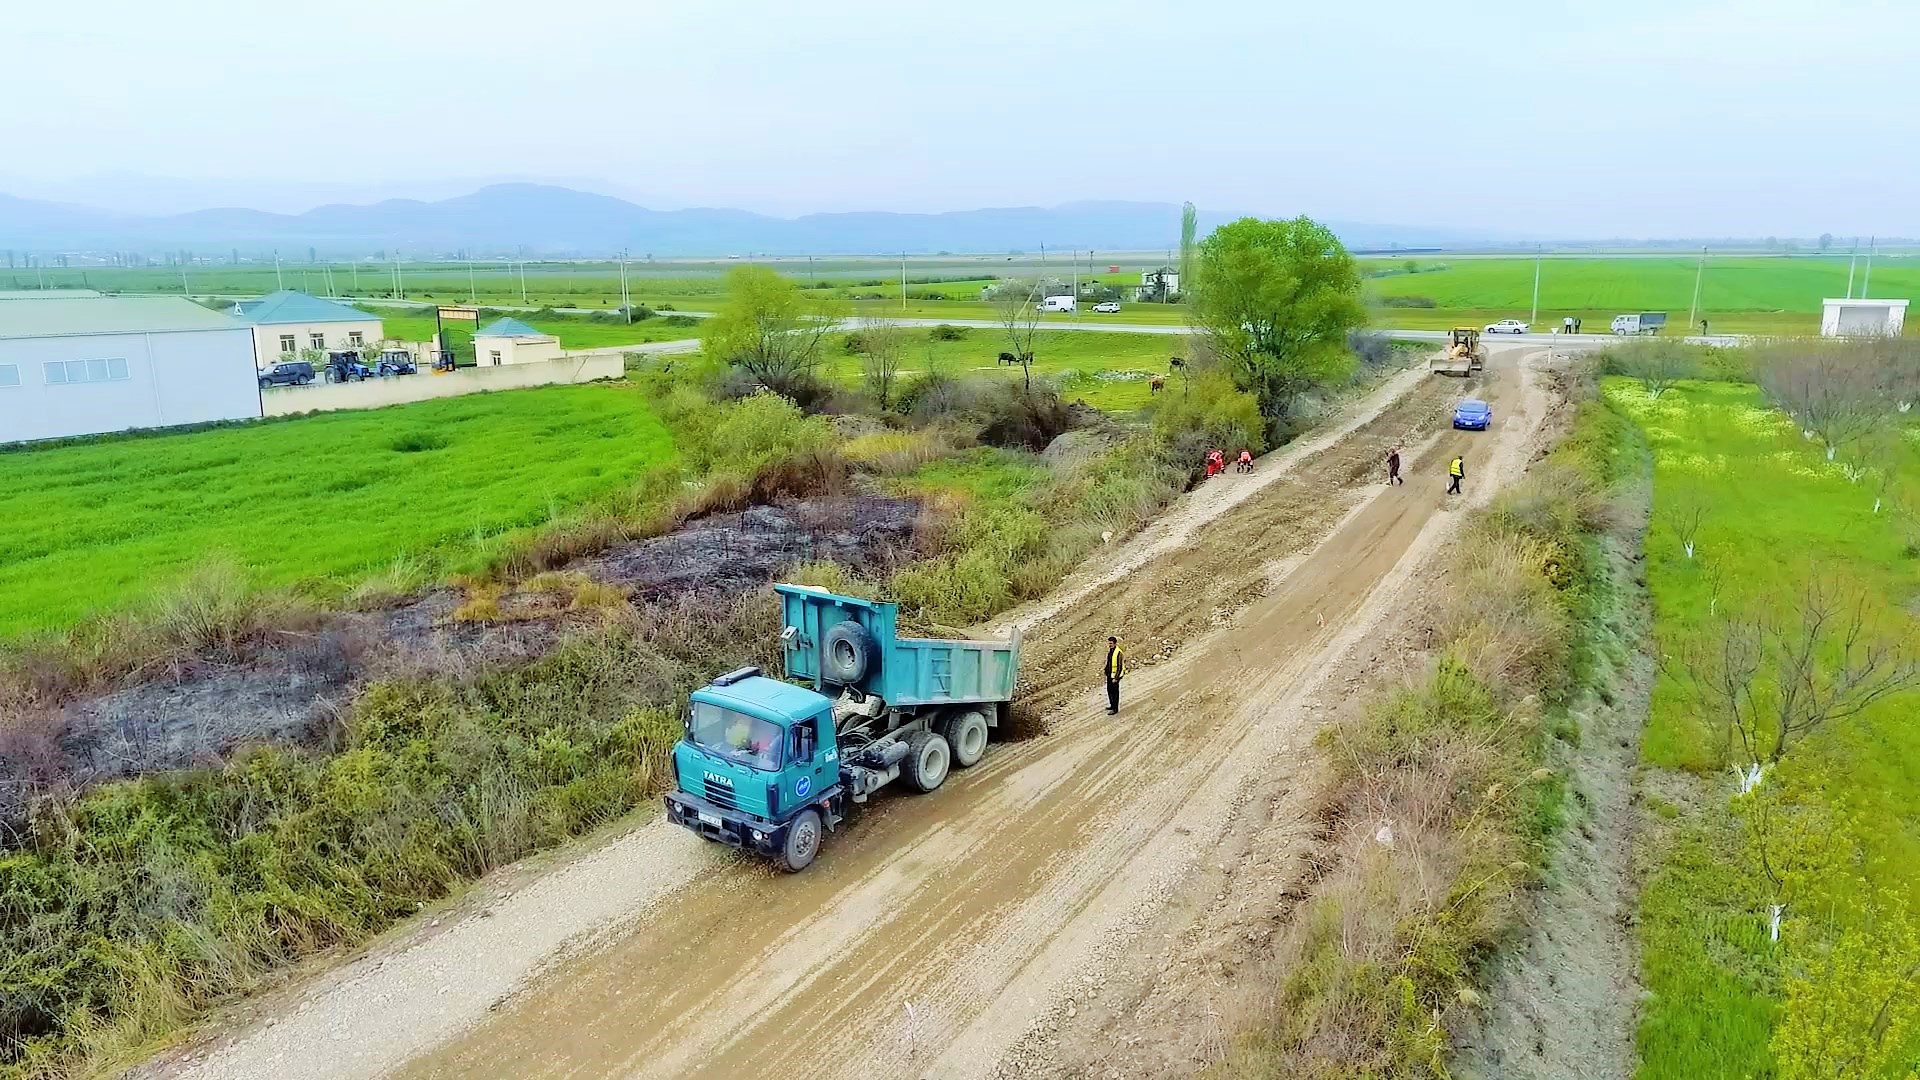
column 803, row 842
column 928, row 757
column 967, row 734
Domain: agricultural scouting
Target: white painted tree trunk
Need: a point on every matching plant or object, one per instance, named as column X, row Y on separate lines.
column 1876, row 504
column 1689, row 546
column 1830, row 451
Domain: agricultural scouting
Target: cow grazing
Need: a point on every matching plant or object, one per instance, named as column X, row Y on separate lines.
column 1176, row 362
column 1157, row 383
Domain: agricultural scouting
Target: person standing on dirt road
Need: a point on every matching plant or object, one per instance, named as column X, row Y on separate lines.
column 1456, row 472
column 1393, row 466
column 1116, row 666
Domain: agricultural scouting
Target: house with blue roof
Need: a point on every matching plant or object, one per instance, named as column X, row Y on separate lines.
column 510, row 341
column 288, row 323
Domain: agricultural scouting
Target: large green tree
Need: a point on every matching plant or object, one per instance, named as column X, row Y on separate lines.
column 1275, row 300
column 771, row 332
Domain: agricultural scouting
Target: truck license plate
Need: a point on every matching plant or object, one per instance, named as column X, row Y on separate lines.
column 709, row 819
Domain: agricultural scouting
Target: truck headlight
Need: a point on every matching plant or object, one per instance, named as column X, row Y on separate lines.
column 758, row 836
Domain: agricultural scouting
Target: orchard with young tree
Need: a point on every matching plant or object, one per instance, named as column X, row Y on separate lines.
column 1274, row 301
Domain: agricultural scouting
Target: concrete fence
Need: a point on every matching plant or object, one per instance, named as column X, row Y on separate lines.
column 577, row 367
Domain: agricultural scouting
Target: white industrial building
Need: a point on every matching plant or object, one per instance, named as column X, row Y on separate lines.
column 90, row 365
column 1862, row 318
column 288, row 323
column 510, row 341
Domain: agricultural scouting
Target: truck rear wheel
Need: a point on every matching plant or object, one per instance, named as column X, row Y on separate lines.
column 928, row 757
column 967, row 735
column 803, row 842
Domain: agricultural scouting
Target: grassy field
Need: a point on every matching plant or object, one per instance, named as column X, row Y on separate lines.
column 1744, row 293
column 1833, row 833
column 316, row 501
column 574, row 333
column 1737, row 294
column 1107, row 371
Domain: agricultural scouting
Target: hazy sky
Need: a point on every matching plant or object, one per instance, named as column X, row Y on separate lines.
column 1537, row 117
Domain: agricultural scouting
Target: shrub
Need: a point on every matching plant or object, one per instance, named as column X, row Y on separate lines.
column 678, row 320
column 1205, row 410
column 947, row 332
column 1012, row 416
column 1407, row 301
column 1374, row 348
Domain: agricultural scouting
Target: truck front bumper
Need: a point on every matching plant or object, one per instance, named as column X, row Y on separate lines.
column 729, row 827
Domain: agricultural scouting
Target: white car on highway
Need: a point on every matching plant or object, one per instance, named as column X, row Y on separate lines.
column 1507, row 326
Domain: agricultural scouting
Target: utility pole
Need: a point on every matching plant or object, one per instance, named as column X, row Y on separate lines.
column 354, row 269
column 473, row 290
column 1076, row 283
column 1693, row 313
column 1866, row 282
column 626, row 298
column 1536, row 288
column 279, row 282
column 523, row 281
column 184, row 287
column 903, row 281
column 1852, row 259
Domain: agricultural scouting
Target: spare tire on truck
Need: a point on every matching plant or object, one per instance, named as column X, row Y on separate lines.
column 847, row 654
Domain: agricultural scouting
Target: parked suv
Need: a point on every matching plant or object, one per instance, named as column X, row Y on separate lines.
column 291, row 373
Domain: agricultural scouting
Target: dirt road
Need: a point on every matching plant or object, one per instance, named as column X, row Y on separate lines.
column 949, row 935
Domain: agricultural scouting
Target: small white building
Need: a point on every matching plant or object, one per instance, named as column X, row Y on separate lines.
column 90, row 365
column 287, row 323
column 1862, row 318
column 510, row 341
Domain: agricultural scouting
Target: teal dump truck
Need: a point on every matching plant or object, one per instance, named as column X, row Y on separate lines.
column 771, row 766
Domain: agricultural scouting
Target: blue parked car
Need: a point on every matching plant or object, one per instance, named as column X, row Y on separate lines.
column 1473, row 415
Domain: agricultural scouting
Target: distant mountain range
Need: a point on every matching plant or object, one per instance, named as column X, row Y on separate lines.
column 539, row 219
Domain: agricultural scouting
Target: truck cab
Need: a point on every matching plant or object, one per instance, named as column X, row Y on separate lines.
column 757, row 754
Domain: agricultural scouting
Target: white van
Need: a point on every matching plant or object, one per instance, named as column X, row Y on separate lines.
column 1056, row 303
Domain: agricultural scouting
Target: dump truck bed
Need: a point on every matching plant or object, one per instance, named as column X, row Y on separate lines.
column 910, row 672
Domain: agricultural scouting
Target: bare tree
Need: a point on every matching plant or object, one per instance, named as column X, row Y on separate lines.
column 1772, row 677
column 1835, row 391
column 1657, row 364
column 1886, row 452
column 886, row 351
column 1018, row 303
column 1687, row 512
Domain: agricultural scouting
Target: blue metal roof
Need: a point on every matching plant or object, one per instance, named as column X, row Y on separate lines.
column 288, row 306
column 509, row 328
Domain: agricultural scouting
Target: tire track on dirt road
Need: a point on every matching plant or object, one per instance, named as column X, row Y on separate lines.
column 937, row 933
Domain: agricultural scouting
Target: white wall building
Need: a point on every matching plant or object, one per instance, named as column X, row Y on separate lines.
column 86, row 366
column 1862, row 318
column 510, row 341
column 287, row 323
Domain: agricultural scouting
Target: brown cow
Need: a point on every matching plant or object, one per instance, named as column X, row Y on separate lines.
column 1156, row 384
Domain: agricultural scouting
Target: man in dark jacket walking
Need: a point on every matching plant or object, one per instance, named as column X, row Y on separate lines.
column 1116, row 666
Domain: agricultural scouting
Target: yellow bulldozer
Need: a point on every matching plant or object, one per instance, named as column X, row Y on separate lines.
column 1464, row 355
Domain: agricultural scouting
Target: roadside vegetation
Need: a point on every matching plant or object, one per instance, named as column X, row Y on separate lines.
column 1778, row 917
column 1447, row 793
column 128, row 908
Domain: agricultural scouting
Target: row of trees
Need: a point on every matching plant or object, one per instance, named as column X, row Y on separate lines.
column 1273, row 301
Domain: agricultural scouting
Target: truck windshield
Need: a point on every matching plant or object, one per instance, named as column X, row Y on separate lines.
column 737, row 737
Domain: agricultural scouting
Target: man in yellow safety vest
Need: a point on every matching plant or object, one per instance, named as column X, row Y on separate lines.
column 1116, row 667
column 1456, row 472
